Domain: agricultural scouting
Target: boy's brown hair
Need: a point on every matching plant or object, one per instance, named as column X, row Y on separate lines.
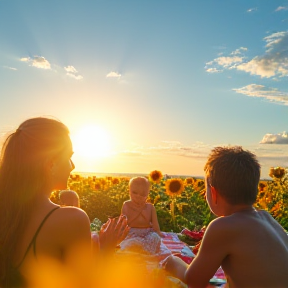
column 235, row 173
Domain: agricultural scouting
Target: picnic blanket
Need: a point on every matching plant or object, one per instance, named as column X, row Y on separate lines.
column 183, row 251
column 171, row 244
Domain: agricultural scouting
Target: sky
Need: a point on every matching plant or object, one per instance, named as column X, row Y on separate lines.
column 149, row 85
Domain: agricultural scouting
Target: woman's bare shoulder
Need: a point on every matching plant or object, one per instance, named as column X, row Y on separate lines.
column 66, row 227
column 72, row 211
column 69, row 216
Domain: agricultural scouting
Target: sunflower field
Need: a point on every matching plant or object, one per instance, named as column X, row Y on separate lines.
column 179, row 202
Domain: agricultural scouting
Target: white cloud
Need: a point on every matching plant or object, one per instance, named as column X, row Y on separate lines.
column 73, row 73
column 38, row 62
column 281, row 138
column 263, row 67
column 42, row 63
column 239, row 51
column 277, row 41
column 281, row 8
column 274, row 62
column 25, row 59
column 271, row 94
column 226, row 62
column 70, row 69
column 198, row 151
column 113, row 74
column 213, row 70
column 252, row 10
column 10, row 68
column 76, row 77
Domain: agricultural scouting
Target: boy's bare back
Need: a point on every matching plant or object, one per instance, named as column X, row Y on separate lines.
column 251, row 247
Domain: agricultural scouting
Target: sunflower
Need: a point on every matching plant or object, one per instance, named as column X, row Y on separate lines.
column 189, row 181
column 174, row 187
column 262, row 186
column 103, row 181
column 115, row 181
column 198, row 185
column 97, row 186
column 155, row 176
column 277, row 172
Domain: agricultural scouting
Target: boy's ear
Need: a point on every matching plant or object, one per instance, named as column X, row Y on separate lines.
column 214, row 194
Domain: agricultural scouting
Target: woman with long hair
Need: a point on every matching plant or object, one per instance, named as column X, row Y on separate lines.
column 34, row 161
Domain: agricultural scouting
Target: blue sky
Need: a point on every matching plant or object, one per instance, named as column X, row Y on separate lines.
column 155, row 84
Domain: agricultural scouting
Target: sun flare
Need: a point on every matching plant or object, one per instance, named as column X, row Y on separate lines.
column 92, row 142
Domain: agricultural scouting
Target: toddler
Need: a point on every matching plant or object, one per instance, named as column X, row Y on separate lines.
column 144, row 235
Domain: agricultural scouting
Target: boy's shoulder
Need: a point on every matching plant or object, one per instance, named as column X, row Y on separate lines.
column 229, row 224
column 241, row 222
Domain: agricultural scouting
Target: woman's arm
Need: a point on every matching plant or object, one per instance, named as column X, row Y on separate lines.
column 113, row 232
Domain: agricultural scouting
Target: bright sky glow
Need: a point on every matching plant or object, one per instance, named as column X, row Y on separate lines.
column 91, row 142
column 165, row 80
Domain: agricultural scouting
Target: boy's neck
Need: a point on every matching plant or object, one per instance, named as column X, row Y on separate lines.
column 232, row 209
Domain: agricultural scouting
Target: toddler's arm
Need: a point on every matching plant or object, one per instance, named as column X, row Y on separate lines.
column 124, row 210
column 155, row 224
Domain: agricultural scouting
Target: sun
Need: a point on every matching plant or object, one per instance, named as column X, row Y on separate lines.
column 91, row 142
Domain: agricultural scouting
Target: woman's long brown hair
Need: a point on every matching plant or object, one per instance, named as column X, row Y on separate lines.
column 22, row 176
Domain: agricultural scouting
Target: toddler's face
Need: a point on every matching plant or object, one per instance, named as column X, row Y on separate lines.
column 139, row 193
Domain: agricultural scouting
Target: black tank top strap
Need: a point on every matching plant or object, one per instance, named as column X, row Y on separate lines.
column 33, row 241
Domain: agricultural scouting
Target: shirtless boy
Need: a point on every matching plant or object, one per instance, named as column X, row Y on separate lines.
column 250, row 245
column 139, row 213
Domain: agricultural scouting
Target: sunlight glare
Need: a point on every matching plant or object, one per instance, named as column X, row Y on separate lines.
column 92, row 142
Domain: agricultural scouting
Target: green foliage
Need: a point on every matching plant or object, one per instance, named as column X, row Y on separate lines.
column 106, row 200
column 273, row 196
column 103, row 197
column 190, row 209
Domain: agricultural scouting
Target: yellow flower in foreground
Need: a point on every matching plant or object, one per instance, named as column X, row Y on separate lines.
column 174, row 187
column 155, row 176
